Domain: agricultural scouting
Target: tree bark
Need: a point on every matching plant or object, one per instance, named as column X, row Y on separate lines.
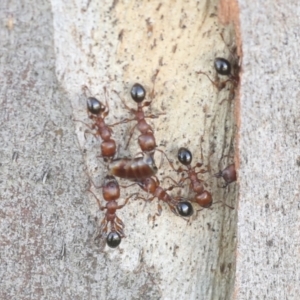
column 268, row 239
column 49, row 220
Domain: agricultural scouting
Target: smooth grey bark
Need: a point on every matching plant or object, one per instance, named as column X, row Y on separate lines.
column 48, row 219
column 268, row 235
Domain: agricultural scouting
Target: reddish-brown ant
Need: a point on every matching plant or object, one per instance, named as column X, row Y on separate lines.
column 228, row 174
column 203, row 197
column 151, row 185
column 111, row 193
column 146, row 139
column 224, row 68
column 97, row 111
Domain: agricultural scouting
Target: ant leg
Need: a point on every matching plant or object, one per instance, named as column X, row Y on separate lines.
column 130, row 135
column 85, row 88
column 123, row 121
column 117, row 226
column 159, row 210
column 124, row 103
column 151, row 94
column 91, row 128
column 92, row 183
column 220, row 85
column 202, row 172
column 154, row 116
column 224, row 204
column 182, row 180
column 126, row 186
column 146, row 103
column 103, row 227
column 120, row 231
column 198, row 165
column 126, row 200
column 231, row 91
column 172, row 208
column 177, row 184
column 139, row 153
column 197, row 211
column 119, row 222
column 170, row 163
column 98, row 201
column 87, row 125
column 216, row 84
column 106, row 112
column 146, row 199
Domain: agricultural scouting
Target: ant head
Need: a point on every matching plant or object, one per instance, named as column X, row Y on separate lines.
column 185, row 156
column 113, row 239
column 222, row 66
column 138, row 93
column 111, row 188
column 94, row 106
column 185, row 209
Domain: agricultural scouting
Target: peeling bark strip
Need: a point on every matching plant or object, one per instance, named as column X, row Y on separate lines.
column 48, row 220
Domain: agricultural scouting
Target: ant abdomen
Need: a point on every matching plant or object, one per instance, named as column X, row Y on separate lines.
column 204, row 199
column 228, row 174
column 185, row 209
column 108, row 148
column 113, row 239
column 184, row 156
column 138, row 93
column 222, row 66
column 147, row 142
column 94, row 106
column 133, row 169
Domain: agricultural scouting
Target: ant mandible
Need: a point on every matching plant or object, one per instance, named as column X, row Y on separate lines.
column 111, row 193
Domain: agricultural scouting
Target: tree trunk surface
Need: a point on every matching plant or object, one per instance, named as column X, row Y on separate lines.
column 49, row 157
column 269, row 163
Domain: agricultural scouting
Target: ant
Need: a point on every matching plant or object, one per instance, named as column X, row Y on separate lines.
column 146, row 139
column 151, row 185
column 97, row 111
column 228, row 174
column 111, row 193
column 224, row 68
column 203, row 197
